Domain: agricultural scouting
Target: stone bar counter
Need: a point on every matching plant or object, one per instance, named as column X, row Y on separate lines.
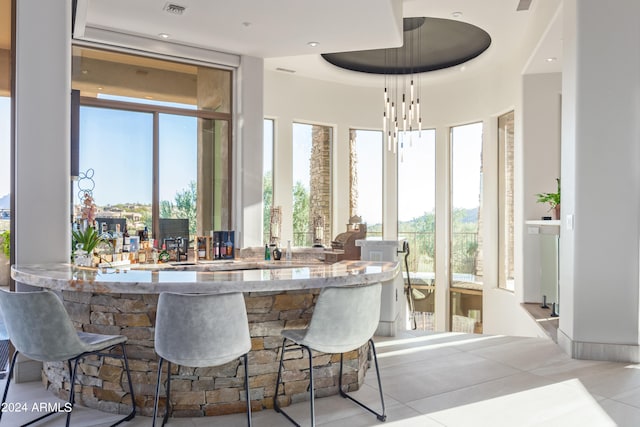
column 278, row 295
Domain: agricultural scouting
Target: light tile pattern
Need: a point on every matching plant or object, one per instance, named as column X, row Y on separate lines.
column 443, row 379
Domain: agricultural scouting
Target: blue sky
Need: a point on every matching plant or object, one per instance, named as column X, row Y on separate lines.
column 118, row 146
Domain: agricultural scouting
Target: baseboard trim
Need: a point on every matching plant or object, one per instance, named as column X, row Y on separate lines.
column 598, row 351
column 27, row 370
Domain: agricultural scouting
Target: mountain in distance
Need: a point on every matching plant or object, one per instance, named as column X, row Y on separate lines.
column 4, row 202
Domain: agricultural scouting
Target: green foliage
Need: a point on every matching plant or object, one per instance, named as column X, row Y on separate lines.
column 183, row 206
column 300, row 213
column 146, row 218
column 420, row 232
column 267, row 203
column 552, row 198
column 6, row 243
column 89, row 239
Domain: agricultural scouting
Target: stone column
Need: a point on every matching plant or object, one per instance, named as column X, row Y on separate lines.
column 320, row 177
column 353, row 174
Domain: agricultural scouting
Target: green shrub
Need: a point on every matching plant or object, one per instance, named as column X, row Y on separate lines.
column 6, row 243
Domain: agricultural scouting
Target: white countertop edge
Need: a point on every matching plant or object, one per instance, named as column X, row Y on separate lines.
column 66, row 277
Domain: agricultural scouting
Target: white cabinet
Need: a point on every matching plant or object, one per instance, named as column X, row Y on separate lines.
column 548, row 234
column 393, row 290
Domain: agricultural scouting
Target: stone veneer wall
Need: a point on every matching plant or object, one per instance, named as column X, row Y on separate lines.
column 198, row 391
column 320, row 176
column 353, row 174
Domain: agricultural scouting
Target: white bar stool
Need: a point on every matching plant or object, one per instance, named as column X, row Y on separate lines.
column 40, row 328
column 344, row 319
column 200, row 331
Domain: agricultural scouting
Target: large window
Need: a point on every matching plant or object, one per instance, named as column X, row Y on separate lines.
column 311, row 183
column 506, row 200
column 365, row 171
column 466, row 220
column 116, row 162
column 156, row 135
column 178, row 168
column 416, row 219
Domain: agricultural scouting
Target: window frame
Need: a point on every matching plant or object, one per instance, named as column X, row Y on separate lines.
column 156, row 111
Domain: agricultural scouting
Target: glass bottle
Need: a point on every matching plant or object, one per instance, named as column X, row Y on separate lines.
column 80, row 256
column 216, row 249
column 288, row 254
column 267, row 253
column 229, row 248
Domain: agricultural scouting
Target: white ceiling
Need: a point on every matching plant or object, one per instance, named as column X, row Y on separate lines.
column 279, row 30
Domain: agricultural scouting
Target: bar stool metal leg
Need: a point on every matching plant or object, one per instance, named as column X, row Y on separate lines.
column 9, row 375
column 168, row 394
column 246, row 387
column 168, row 407
column 133, row 397
column 155, row 405
column 381, row 416
column 312, row 408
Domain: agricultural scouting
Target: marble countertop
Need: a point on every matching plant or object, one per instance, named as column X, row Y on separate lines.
column 204, row 277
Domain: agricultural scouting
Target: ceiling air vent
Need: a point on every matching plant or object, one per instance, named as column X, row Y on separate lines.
column 523, row 5
column 285, row 70
column 174, row 9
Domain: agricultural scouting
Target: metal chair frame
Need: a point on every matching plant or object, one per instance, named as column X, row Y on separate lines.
column 381, row 416
column 168, row 408
column 72, row 375
column 213, row 330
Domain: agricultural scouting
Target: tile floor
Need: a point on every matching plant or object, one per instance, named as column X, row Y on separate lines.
column 443, row 379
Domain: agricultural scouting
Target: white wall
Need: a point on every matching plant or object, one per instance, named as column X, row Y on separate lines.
column 599, row 269
column 248, row 151
column 42, row 155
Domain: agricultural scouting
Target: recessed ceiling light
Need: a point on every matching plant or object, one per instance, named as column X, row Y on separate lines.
column 551, row 59
column 313, row 44
column 456, row 14
column 164, row 35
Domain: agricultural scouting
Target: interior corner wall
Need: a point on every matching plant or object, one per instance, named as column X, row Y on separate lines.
column 599, row 271
column 540, row 159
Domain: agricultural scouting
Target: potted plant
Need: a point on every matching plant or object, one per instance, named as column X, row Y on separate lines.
column 552, row 198
column 89, row 239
